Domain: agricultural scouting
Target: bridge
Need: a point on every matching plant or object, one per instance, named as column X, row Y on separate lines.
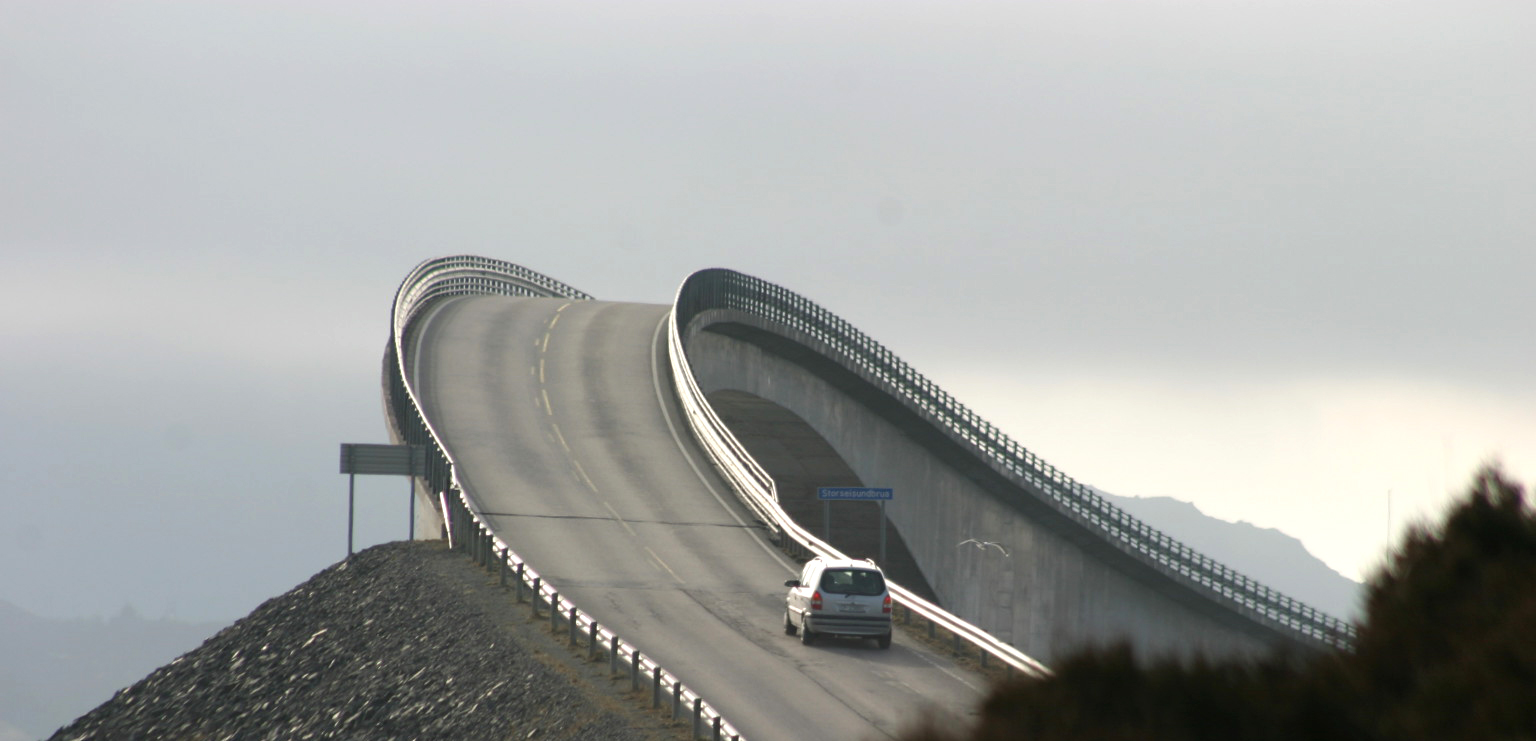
column 647, row 474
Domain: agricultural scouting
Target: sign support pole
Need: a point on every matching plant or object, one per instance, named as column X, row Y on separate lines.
column 351, row 486
column 409, row 461
column 853, row 493
column 882, row 533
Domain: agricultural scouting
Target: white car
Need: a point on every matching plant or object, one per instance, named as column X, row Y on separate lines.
column 838, row 597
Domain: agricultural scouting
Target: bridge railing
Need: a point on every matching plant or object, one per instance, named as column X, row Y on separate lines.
column 797, row 316
column 757, row 489
column 466, row 529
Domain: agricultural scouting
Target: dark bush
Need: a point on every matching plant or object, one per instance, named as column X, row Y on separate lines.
column 1446, row 650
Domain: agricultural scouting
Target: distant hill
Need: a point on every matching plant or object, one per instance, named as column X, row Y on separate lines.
column 1275, row 559
column 53, row 670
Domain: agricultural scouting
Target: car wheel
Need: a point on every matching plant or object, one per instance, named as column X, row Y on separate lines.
column 789, row 628
column 806, row 636
column 883, row 641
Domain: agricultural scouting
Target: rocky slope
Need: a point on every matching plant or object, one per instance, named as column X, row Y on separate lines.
column 404, row 640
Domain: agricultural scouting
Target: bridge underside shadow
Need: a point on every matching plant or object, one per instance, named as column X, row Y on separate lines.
column 800, row 461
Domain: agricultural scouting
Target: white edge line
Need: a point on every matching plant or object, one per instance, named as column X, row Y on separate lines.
column 672, row 428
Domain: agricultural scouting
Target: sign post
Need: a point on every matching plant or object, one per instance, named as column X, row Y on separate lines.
column 829, row 494
column 383, row 460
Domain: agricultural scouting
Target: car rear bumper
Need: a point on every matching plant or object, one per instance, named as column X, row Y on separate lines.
column 848, row 625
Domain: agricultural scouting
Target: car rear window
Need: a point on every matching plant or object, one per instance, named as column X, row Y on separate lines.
column 853, row 581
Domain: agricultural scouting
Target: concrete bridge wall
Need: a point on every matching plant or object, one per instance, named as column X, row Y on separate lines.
column 1059, row 588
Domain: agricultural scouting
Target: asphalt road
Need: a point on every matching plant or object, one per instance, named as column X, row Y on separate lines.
column 567, row 435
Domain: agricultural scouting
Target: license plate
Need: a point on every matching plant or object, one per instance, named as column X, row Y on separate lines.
column 851, row 608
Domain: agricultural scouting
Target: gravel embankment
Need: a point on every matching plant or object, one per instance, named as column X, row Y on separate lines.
column 401, row 641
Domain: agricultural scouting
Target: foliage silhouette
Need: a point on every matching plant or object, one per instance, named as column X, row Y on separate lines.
column 1446, row 650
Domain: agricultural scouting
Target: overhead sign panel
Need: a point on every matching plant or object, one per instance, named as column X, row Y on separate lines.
column 854, row 493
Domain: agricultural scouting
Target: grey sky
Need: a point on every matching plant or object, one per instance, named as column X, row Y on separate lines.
column 1271, row 257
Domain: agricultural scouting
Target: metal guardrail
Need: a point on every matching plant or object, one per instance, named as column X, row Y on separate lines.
column 792, row 315
column 467, row 530
column 757, row 489
column 727, row 290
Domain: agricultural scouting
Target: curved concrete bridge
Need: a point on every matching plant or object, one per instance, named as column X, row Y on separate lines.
column 654, row 463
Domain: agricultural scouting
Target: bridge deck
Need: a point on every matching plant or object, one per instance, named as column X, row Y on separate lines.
column 562, row 420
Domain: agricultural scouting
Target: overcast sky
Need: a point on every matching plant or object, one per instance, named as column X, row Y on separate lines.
column 1273, row 258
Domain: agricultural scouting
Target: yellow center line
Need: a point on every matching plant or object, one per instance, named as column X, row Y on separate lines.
column 581, row 473
column 621, row 520
column 664, row 565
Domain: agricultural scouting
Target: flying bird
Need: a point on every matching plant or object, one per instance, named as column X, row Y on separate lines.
column 982, row 545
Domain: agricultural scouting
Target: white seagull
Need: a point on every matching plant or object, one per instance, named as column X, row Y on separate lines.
column 983, row 545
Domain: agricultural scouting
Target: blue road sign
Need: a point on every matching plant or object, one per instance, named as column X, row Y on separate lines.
column 853, row 493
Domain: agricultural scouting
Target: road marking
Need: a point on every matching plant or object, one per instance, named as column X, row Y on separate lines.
column 544, row 347
column 923, row 654
column 421, row 333
column 559, row 437
column 581, row 473
column 664, row 565
column 547, row 408
column 541, row 370
column 775, row 553
column 621, row 521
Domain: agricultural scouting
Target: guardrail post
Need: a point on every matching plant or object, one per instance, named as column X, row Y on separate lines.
column 536, row 596
column 717, row 728
column 554, row 611
column 677, row 697
column 591, row 640
column 634, row 669
column 656, row 688
column 573, row 626
column 613, row 655
column 520, row 582
column 698, row 712
column 501, row 567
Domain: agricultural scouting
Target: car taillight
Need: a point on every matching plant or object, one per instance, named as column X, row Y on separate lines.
column 885, row 607
column 816, row 600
